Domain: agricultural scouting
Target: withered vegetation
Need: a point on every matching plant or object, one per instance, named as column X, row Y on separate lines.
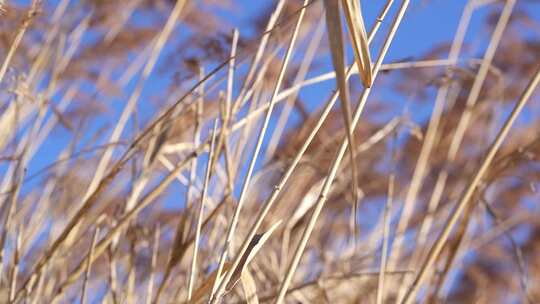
column 195, row 151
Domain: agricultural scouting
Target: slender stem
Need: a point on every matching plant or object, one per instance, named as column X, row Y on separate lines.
column 337, row 160
column 89, row 266
column 153, row 263
column 279, row 186
column 193, row 268
column 277, row 87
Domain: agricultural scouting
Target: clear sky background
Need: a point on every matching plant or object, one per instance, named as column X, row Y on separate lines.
column 427, row 24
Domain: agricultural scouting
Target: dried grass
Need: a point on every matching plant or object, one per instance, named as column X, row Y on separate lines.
column 193, row 159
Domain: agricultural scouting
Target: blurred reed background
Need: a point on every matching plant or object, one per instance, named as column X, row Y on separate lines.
column 323, row 151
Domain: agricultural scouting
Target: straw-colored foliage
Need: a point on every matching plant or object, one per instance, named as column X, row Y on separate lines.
column 196, row 151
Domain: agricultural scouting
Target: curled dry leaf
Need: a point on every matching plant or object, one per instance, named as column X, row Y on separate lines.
column 335, row 36
column 357, row 31
column 157, row 143
column 252, row 250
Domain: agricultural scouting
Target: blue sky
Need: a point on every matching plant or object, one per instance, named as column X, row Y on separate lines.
column 427, row 23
